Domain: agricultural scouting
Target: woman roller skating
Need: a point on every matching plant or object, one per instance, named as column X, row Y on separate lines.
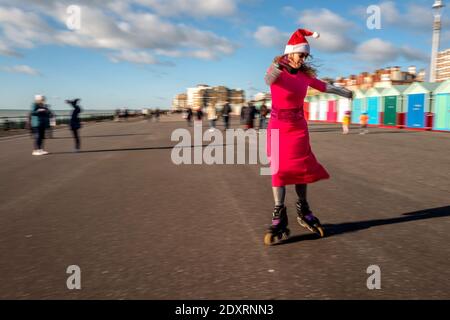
column 289, row 78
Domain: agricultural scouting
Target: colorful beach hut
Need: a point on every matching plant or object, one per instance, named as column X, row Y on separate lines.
column 418, row 106
column 358, row 105
column 323, row 107
column 343, row 105
column 332, row 108
column 392, row 106
column 306, row 107
column 441, row 107
column 373, row 103
column 313, row 108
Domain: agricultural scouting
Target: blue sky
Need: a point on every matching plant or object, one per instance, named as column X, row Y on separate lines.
column 140, row 53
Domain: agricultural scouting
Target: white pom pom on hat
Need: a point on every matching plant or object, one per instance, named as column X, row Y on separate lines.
column 298, row 43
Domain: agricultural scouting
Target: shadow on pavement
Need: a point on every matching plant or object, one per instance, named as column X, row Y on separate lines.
column 105, row 136
column 384, row 132
column 347, row 227
column 137, row 149
column 356, row 131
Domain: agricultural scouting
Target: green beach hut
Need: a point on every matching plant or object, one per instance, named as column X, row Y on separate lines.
column 392, row 105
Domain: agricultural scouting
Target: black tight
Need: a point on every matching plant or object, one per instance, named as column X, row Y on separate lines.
column 279, row 194
column 39, row 137
column 76, row 136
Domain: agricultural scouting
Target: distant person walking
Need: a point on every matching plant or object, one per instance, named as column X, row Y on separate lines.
column 199, row 114
column 75, row 123
column 189, row 115
column 42, row 112
column 226, row 115
column 212, row 116
column 51, row 124
column 249, row 116
column 363, row 119
column 263, row 112
column 243, row 110
column 346, row 122
column 157, row 115
column 33, row 124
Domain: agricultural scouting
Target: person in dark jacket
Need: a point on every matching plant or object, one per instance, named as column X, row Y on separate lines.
column 243, row 111
column 42, row 112
column 199, row 114
column 263, row 112
column 189, row 115
column 226, row 115
column 75, row 123
column 249, row 115
column 157, row 114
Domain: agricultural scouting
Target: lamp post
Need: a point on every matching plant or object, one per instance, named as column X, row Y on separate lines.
column 437, row 7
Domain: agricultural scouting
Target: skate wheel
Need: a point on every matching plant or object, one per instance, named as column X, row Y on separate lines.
column 285, row 234
column 268, row 239
column 320, row 231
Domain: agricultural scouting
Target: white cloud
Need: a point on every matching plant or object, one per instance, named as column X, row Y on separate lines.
column 7, row 51
column 333, row 30
column 268, row 36
column 414, row 18
column 23, row 69
column 289, row 11
column 113, row 26
column 376, row 51
column 413, row 54
column 194, row 8
column 139, row 57
column 23, row 29
column 380, row 52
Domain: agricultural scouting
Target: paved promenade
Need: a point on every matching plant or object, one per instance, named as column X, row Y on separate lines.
column 140, row 227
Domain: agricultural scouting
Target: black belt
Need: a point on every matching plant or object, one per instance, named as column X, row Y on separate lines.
column 287, row 114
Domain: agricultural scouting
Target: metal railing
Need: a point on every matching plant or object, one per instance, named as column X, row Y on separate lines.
column 23, row 122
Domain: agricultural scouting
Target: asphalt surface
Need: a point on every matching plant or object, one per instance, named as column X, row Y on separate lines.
column 141, row 227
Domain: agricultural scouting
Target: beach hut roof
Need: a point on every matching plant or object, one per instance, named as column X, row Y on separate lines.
column 421, row 87
column 395, row 90
column 444, row 87
column 373, row 92
column 313, row 98
column 328, row 96
column 359, row 94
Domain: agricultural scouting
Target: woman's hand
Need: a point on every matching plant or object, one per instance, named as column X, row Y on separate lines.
column 272, row 74
column 343, row 92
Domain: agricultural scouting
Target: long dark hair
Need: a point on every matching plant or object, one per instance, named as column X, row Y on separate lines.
column 307, row 68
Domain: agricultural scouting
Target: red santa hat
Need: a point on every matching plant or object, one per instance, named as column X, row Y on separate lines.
column 298, row 43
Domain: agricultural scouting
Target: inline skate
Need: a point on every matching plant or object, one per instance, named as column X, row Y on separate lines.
column 278, row 231
column 307, row 220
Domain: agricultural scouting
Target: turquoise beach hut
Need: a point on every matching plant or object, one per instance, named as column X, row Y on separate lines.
column 358, row 105
column 441, row 107
column 373, row 103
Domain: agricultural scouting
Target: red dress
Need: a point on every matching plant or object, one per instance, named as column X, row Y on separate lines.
column 294, row 163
